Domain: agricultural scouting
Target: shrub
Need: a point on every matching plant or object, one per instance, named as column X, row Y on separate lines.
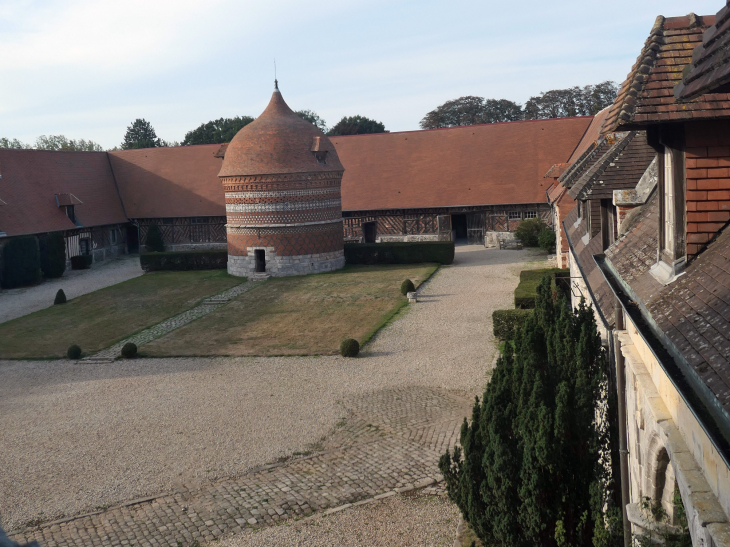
column 406, row 287
column 530, row 465
column 53, row 255
column 185, row 260
column 529, row 280
column 154, row 242
column 73, row 352
column 349, row 348
column 506, row 323
column 21, row 263
column 441, row 252
column 129, row 350
column 81, row 262
column 60, row 297
column 546, row 239
column 529, row 230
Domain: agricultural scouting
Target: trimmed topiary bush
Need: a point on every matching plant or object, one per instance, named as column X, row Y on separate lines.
column 546, row 239
column 60, row 297
column 441, row 252
column 53, row 255
column 526, row 291
column 129, row 350
column 73, row 352
column 81, row 262
column 349, row 348
column 21, row 263
column 185, row 260
column 529, row 230
column 506, row 323
column 154, row 242
column 406, row 287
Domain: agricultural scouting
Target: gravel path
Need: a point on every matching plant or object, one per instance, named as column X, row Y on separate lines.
column 76, row 437
column 401, row 520
column 19, row 302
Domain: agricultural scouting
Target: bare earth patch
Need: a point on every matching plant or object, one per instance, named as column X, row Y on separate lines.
column 308, row 315
column 96, row 320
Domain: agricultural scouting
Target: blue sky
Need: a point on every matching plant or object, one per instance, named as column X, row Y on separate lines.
column 88, row 68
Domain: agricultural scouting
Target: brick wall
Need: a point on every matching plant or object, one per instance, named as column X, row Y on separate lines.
column 708, row 182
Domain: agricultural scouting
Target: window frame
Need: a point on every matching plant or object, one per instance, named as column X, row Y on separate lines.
column 672, row 202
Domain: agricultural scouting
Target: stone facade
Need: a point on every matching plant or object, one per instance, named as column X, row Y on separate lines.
column 279, row 266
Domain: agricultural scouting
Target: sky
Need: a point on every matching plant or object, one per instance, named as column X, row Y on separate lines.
column 88, row 68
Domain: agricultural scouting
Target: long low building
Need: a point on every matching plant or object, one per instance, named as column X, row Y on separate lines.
column 461, row 183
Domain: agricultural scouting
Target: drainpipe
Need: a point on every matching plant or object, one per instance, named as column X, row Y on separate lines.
column 622, row 444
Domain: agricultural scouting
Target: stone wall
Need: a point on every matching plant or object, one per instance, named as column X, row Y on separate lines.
column 668, row 446
column 279, row 266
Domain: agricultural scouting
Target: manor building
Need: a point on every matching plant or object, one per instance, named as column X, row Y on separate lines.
column 471, row 184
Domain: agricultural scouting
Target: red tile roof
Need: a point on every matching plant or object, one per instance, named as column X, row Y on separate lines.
column 710, row 67
column 556, row 170
column 592, row 134
column 278, row 141
column 647, row 95
column 486, row 164
column 32, row 178
column 170, row 182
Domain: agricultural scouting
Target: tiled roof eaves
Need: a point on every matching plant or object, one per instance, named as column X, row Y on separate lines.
column 624, row 106
column 710, row 66
column 706, row 408
column 585, row 183
column 574, row 171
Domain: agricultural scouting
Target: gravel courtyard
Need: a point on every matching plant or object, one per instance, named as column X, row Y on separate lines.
column 19, row 302
column 78, row 437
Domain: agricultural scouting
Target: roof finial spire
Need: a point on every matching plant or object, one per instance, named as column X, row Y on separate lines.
column 276, row 82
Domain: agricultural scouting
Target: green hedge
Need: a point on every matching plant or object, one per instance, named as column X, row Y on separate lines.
column 505, row 323
column 185, row 260
column 53, row 254
column 21, row 262
column 441, row 252
column 526, row 291
column 81, row 262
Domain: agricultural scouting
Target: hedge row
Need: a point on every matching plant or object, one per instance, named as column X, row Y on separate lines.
column 526, row 291
column 441, row 252
column 505, row 323
column 185, row 260
column 21, row 262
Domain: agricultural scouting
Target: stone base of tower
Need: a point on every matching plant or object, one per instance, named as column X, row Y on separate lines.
column 282, row 266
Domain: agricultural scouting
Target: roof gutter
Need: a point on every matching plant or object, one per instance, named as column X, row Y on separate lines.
column 703, row 404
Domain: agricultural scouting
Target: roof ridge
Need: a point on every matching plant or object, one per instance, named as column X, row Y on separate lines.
column 464, row 126
column 586, row 181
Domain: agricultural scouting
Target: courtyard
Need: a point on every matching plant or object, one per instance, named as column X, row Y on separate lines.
column 192, row 449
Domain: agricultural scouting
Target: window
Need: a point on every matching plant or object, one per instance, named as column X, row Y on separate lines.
column 199, row 220
column 514, row 215
column 113, row 236
column 669, row 221
column 530, row 214
column 85, row 246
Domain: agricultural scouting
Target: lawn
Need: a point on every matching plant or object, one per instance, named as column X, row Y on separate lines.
column 99, row 319
column 308, row 315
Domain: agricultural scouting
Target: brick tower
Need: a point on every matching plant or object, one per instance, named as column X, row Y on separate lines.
column 281, row 177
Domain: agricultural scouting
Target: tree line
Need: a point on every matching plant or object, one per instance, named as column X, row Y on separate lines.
column 556, row 103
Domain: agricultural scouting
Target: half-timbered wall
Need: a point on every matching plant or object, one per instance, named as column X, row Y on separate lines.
column 102, row 242
column 187, row 233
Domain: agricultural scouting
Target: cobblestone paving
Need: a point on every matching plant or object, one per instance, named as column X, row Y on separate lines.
column 390, row 440
column 168, row 325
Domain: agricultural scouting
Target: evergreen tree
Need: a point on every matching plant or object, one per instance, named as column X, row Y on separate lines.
column 531, row 470
column 53, row 254
column 140, row 134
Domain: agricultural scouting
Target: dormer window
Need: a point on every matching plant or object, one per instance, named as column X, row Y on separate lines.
column 319, row 155
column 71, row 213
column 672, row 216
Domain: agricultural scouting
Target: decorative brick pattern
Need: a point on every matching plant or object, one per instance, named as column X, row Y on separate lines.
column 289, row 241
column 708, row 182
